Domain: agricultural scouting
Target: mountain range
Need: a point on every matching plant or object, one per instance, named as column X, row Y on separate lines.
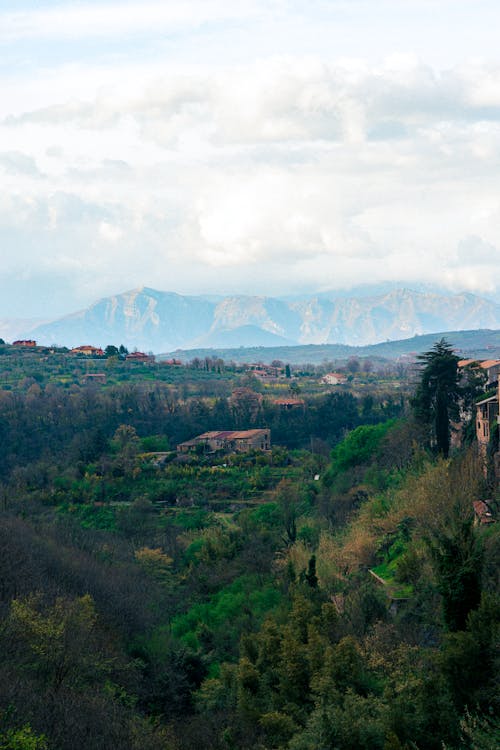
column 153, row 320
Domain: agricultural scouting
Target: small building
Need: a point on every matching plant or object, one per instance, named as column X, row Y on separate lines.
column 334, row 378
column 88, row 351
column 24, row 342
column 139, row 357
column 232, row 441
column 482, row 513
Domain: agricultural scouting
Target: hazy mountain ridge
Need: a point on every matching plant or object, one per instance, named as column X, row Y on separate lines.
column 163, row 321
column 476, row 344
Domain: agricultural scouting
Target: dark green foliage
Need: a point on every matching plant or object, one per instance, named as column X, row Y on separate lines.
column 463, row 651
column 311, row 577
column 457, row 556
column 493, row 447
column 438, row 392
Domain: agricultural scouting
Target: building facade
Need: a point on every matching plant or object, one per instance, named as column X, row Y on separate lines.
column 232, row 441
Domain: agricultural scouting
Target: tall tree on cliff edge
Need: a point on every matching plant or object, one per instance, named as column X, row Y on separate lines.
column 437, row 396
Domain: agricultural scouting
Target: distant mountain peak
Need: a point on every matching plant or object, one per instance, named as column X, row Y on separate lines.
column 163, row 321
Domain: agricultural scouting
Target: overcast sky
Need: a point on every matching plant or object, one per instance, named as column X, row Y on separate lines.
column 250, row 146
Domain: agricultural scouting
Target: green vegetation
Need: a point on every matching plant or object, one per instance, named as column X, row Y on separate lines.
column 437, row 397
column 334, row 592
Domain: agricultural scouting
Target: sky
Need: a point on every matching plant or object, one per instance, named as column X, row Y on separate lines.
column 252, row 147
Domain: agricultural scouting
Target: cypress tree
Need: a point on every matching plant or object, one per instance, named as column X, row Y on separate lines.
column 436, row 400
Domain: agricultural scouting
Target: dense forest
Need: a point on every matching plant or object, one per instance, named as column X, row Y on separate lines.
column 337, row 592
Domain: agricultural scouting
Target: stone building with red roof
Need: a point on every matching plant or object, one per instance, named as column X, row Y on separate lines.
column 234, row 441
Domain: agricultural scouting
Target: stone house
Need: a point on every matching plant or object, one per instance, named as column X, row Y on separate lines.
column 334, row 378
column 487, row 412
column 139, row 357
column 88, row 351
column 235, row 441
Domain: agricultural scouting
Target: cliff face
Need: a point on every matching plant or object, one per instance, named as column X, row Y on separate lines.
column 161, row 321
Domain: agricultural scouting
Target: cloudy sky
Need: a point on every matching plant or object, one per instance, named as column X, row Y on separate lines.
column 250, row 146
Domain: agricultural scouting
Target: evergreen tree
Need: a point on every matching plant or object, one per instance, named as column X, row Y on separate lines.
column 436, row 400
column 111, row 351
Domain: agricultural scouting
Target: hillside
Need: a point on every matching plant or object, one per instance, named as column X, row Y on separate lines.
column 479, row 344
column 338, row 592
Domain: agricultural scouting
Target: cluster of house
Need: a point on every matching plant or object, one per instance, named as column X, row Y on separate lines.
column 266, row 371
column 487, row 411
column 487, row 408
column 30, row 343
column 95, row 351
column 491, row 367
column 87, row 350
column 273, row 372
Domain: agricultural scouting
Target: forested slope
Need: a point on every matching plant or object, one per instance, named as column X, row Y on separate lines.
column 338, row 599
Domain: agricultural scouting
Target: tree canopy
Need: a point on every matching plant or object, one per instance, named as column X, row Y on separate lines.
column 437, row 395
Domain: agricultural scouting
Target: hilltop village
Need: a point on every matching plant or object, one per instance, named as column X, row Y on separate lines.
column 283, row 381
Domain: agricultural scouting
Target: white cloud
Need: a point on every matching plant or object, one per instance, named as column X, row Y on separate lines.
column 274, row 101
column 110, row 232
column 123, row 18
column 272, row 174
column 17, row 163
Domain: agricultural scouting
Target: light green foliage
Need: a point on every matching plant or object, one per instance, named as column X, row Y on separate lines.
column 22, row 739
column 400, row 562
column 267, row 514
column 242, row 603
column 214, row 543
column 61, row 641
column 154, row 443
column 93, row 517
column 155, row 562
column 358, row 448
column 189, row 520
